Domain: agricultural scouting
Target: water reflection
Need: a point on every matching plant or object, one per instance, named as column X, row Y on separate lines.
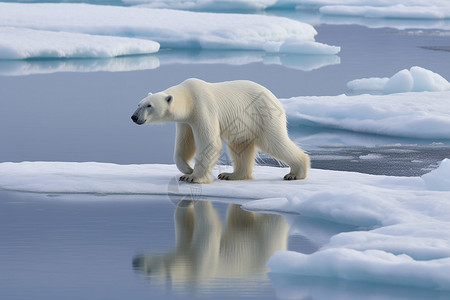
column 206, row 249
column 164, row 57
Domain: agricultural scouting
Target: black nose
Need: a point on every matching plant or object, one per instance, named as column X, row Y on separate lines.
column 134, row 118
column 137, row 262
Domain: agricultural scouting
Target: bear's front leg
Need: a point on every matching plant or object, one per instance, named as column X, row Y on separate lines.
column 208, row 153
column 184, row 148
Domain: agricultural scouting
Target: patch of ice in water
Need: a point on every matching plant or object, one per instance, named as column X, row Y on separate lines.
column 424, row 115
column 416, row 79
column 24, row 43
column 371, row 156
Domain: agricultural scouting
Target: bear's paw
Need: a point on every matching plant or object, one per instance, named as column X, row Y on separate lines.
column 233, row 176
column 290, row 177
column 193, row 179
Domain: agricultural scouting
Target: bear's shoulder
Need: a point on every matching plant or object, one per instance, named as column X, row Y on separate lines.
column 190, row 82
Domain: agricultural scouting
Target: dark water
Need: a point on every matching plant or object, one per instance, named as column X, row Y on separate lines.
column 116, row 247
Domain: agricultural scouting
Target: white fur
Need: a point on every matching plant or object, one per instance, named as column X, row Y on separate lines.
column 247, row 116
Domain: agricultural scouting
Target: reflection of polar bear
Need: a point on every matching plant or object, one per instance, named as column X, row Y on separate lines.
column 203, row 251
column 244, row 114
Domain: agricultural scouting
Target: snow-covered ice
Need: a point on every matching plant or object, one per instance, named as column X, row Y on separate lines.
column 438, row 179
column 413, row 103
column 416, row 79
column 301, row 47
column 376, row 3
column 23, row 43
column 170, row 28
column 374, row 266
column 242, row 5
column 399, row 11
column 424, row 115
column 372, row 200
column 406, row 241
column 206, row 5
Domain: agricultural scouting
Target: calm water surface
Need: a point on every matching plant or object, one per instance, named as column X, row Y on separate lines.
column 116, row 247
column 144, row 247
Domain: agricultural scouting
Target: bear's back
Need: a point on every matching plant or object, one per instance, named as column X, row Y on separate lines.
column 236, row 102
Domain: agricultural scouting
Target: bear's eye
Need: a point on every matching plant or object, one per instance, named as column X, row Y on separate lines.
column 149, row 105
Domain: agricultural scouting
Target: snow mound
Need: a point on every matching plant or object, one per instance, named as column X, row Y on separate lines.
column 23, row 43
column 406, row 241
column 170, row 28
column 424, row 115
column 439, row 179
column 399, row 11
column 416, row 79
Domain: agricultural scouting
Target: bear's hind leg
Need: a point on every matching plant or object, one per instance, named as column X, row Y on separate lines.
column 286, row 151
column 243, row 158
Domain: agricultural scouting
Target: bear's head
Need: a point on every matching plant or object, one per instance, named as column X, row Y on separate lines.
column 152, row 109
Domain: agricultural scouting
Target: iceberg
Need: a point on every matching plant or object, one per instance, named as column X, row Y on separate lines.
column 422, row 115
column 169, row 28
column 400, row 225
column 24, row 43
column 416, row 79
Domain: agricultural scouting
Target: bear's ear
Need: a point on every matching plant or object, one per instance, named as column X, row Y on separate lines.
column 169, row 99
column 150, row 93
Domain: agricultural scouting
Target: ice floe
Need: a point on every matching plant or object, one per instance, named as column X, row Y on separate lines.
column 248, row 5
column 438, row 179
column 206, row 5
column 424, row 115
column 372, row 266
column 406, row 221
column 301, row 47
column 24, row 43
column 170, row 28
column 372, row 200
column 399, row 11
column 416, row 79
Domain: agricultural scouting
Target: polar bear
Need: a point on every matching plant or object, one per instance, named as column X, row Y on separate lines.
column 244, row 114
